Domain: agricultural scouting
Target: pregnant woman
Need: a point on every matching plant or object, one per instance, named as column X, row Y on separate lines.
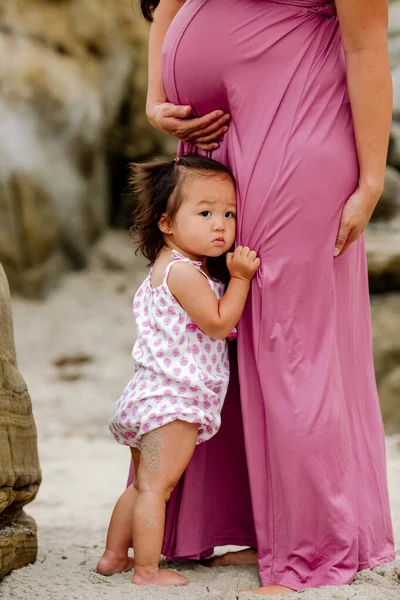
column 294, row 96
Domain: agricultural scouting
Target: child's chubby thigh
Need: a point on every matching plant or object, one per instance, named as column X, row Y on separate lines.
column 163, row 457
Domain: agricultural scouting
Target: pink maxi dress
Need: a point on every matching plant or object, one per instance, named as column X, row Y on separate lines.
column 298, row 468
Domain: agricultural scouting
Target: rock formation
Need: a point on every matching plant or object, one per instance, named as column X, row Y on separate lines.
column 72, row 96
column 19, row 465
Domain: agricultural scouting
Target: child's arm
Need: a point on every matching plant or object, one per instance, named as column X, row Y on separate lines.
column 192, row 291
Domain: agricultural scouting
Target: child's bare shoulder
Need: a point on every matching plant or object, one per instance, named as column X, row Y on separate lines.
column 184, row 273
column 179, row 272
column 188, row 284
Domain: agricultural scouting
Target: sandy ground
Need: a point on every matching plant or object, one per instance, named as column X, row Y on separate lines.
column 74, row 351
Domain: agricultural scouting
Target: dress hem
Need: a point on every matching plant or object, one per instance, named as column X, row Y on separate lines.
column 376, row 563
column 289, row 582
column 205, row 547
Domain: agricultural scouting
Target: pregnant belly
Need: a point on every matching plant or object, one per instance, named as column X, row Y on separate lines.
column 192, row 58
column 232, row 54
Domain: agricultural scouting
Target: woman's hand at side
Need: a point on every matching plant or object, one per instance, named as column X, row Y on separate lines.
column 203, row 132
column 363, row 27
column 355, row 216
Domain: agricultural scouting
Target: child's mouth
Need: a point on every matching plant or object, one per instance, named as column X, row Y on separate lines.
column 219, row 241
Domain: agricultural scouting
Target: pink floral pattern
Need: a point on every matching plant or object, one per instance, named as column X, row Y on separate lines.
column 180, row 372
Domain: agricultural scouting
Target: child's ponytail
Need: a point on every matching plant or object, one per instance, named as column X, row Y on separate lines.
column 148, row 7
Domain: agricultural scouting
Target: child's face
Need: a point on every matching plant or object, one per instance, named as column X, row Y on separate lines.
column 205, row 223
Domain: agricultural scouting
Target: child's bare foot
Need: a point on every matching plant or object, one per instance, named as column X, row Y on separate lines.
column 158, row 577
column 233, row 559
column 110, row 563
column 271, row 590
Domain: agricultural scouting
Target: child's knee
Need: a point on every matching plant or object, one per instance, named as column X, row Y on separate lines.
column 154, row 485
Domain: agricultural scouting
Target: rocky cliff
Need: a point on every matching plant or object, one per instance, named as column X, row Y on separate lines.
column 72, row 94
column 19, row 465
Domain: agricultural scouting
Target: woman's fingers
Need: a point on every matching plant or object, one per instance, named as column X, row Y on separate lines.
column 342, row 236
column 204, row 136
column 352, row 237
column 212, row 129
column 175, row 111
column 207, row 147
column 199, row 129
column 346, row 236
column 199, row 125
column 176, row 130
column 355, row 217
column 212, row 137
column 203, row 131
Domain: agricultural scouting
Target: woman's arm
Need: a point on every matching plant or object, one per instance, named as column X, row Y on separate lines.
column 205, row 131
column 162, row 19
column 363, row 25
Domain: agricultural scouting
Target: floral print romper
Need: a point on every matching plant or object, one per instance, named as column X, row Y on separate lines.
column 180, row 372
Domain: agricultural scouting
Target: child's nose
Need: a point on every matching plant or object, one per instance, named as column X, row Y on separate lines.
column 219, row 224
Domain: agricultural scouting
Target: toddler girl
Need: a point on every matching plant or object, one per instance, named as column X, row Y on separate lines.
column 186, row 214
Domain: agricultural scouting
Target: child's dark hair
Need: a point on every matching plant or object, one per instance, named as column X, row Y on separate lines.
column 148, row 7
column 158, row 186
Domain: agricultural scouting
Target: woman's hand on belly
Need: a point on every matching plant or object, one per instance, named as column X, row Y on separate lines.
column 203, row 132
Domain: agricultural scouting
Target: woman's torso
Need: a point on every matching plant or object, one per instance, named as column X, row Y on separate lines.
column 278, row 67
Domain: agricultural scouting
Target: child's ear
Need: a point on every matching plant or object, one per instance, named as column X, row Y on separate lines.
column 164, row 224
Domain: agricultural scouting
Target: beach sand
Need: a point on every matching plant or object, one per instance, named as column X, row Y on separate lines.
column 74, row 352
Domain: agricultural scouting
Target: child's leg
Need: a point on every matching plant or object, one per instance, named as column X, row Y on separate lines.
column 165, row 454
column 115, row 558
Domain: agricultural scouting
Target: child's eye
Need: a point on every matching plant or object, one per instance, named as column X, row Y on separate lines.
column 205, row 213
column 230, row 214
